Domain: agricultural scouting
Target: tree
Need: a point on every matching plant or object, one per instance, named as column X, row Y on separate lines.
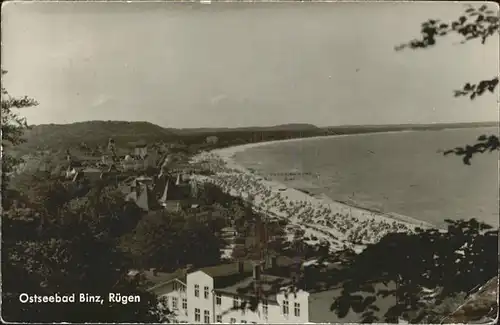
column 168, row 242
column 475, row 24
column 454, row 261
column 67, row 258
column 52, row 246
column 13, row 126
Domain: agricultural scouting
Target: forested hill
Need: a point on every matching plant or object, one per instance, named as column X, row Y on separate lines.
column 96, row 133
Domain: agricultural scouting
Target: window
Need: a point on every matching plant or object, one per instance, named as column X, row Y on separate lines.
column 206, row 317
column 183, row 288
column 174, row 302
column 285, row 307
column 184, row 303
column 218, row 300
column 196, row 290
column 296, row 309
column 264, row 307
column 236, row 302
column 233, row 320
column 206, row 292
column 197, row 316
column 166, row 302
column 219, row 318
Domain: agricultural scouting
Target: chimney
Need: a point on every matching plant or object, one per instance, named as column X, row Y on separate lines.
column 189, row 268
column 241, row 267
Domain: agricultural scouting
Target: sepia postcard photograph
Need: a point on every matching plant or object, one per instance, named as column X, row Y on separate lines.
column 291, row 162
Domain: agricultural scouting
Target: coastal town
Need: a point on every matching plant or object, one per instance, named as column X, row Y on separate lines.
column 266, row 250
column 298, row 167
column 160, row 179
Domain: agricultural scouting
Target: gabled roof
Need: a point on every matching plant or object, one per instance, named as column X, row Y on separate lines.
column 226, row 269
column 269, row 286
column 156, row 281
column 140, row 145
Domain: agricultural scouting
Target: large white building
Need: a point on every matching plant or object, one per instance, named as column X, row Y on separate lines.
column 227, row 294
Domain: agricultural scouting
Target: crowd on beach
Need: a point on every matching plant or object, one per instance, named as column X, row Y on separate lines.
column 341, row 225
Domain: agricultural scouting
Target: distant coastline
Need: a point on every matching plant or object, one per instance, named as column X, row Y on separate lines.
column 59, row 137
column 228, row 156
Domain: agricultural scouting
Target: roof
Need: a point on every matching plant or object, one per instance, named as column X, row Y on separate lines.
column 223, row 270
column 269, row 284
column 170, row 191
column 227, row 277
column 75, row 163
column 156, row 282
column 92, row 170
column 144, row 178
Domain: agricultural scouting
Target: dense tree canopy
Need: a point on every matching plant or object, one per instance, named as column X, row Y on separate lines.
column 58, row 241
column 167, row 242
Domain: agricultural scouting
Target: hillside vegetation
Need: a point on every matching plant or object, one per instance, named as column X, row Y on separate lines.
column 94, row 134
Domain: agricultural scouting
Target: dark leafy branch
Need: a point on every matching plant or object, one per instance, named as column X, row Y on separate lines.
column 475, row 90
column 485, row 144
column 476, row 23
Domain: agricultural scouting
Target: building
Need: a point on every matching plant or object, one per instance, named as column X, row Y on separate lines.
column 225, row 293
column 229, row 233
column 212, row 139
column 141, row 150
column 140, row 191
column 140, row 161
column 176, row 193
column 74, row 167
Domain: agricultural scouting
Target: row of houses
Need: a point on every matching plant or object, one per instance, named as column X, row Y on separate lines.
column 249, row 292
column 171, row 192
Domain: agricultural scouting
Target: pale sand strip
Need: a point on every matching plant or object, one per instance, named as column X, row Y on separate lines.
column 335, row 222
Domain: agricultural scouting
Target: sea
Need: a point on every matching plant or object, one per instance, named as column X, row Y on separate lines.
column 399, row 172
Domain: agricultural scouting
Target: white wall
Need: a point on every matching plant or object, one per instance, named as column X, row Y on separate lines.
column 302, row 299
column 175, row 290
column 202, row 279
column 275, row 310
column 225, row 309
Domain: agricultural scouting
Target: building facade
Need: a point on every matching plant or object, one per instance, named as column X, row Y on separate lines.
column 226, row 294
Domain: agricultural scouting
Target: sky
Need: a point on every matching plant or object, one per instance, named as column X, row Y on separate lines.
column 231, row 65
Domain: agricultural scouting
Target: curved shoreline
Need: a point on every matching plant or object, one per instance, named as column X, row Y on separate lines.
column 227, row 154
column 323, row 219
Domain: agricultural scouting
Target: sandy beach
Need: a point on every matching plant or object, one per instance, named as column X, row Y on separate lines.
column 322, row 219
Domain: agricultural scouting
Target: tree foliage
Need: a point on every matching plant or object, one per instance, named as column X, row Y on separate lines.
column 454, row 261
column 58, row 241
column 477, row 23
column 167, row 242
column 13, row 126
